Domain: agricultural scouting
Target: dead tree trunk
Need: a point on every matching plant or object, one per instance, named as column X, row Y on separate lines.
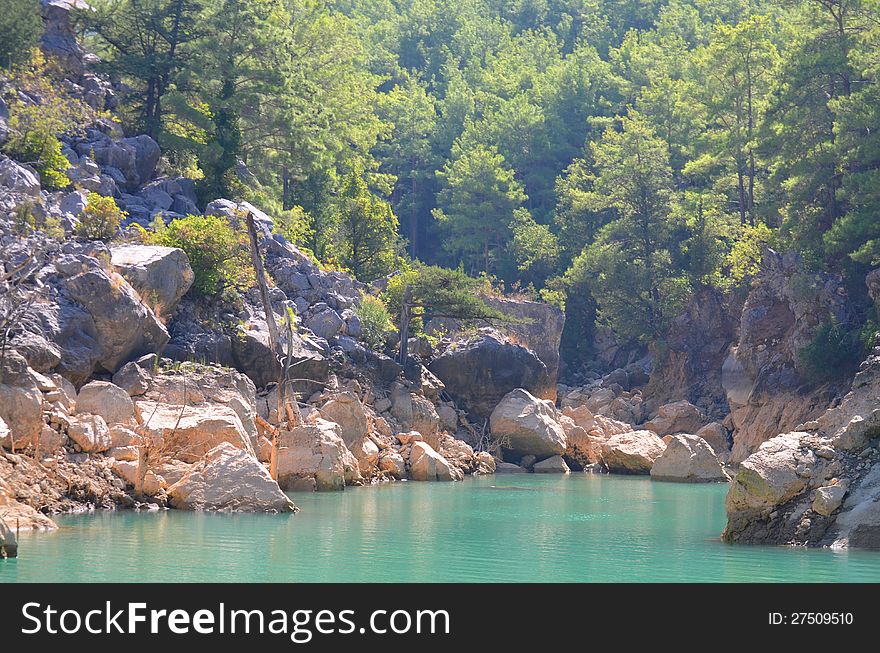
column 405, row 317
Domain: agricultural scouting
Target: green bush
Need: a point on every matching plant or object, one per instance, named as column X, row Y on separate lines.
column 375, row 321
column 833, row 352
column 295, row 225
column 101, row 218
column 24, row 222
column 42, row 150
column 217, row 253
column 34, row 129
column 21, row 26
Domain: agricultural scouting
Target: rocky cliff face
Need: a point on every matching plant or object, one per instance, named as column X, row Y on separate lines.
column 766, row 388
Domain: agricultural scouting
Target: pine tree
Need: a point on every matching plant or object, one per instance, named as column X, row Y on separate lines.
column 476, row 206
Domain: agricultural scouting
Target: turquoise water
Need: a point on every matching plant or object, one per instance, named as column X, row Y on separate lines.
column 507, row 528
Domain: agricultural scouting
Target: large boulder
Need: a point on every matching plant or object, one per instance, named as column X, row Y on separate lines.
column 553, row 465
column 367, row 454
column 229, row 479
column 537, row 326
column 428, row 465
column 134, row 157
column 125, row 327
column 19, row 178
column 90, row 432
column 346, row 410
column 677, row 417
column 189, row 432
column 765, row 480
column 327, row 324
column 632, row 453
column 715, row 436
column 21, row 411
column 315, row 451
column 858, row 524
column 107, row 400
column 160, row 275
column 687, row 459
column 479, row 372
column 415, row 413
column 526, row 425
column 392, row 464
column 253, row 355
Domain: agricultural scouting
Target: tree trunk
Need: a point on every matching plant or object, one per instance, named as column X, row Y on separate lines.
column 405, row 316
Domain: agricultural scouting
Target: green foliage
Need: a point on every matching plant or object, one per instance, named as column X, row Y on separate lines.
column 744, row 259
column 365, row 239
column 24, row 222
column 629, row 266
column 34, row 128
column 21, row 26
column 100, row 218
column 295, row 225
column 217, row 252
column 441, row 292
column 375, row 321
column 476, row 206
column 145, row 43
column 832, row 353
column 38, row 147
column 534, row 247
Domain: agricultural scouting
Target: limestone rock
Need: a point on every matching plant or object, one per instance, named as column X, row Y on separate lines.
column 632, row 453
column 90, row 432
column 428, row 465
column 229, row 479
column 537, row 326
column 716, row 436
column 581, row 448
column 448, row 417
column 128, row 454
column 367, row 454
column 486, row 463
column 160, row 275
column 415, row 413
column 107, row 400
column 21, row 409
column 326, row 324
column 478, row 373
column 829, row 498
column 19, row 178
column 132, row 378
column 765, row 480
column 346, row 410
column 527, row 425
column 687, row 459
column 392, row 463
column 552, row 465
column 677, row 417
column 127, row 470
column 317, row 451
column 509, row 468
column 189, row 432
column 125, row 327
column 858, row 524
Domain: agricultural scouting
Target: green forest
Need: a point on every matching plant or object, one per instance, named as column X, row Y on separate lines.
column 610, row 156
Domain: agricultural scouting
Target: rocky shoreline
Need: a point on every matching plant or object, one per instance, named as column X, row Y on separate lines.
column 121, row 389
